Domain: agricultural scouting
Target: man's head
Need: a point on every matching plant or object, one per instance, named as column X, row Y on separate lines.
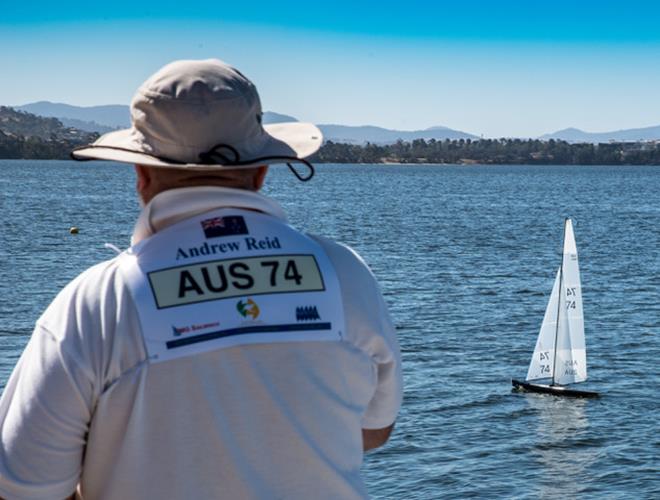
column 202, row 117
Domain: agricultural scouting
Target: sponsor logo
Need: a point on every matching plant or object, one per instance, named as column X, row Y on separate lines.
column 180, row 330
column 248, row 308
column 307, row 313
column 224, row 226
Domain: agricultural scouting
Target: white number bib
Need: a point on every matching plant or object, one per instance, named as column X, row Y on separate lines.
column 230, row 277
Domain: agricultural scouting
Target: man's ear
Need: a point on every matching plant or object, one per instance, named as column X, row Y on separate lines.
column 144, row 183
column 143, row 180
column 259, row 177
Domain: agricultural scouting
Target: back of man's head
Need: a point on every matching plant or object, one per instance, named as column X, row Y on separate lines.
column 154, row 180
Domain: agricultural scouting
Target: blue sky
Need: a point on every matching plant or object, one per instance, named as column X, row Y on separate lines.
column 497, row 68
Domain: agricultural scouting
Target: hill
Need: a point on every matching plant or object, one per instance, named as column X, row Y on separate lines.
column 377, row 135
column 111, row 116
column 24, row 135
column 626, row 135
column 106, row 118
column 272, row 117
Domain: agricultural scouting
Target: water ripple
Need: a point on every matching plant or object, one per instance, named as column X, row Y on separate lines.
column 466, row 257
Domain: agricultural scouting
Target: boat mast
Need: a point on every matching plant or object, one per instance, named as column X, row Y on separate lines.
column 559, row 302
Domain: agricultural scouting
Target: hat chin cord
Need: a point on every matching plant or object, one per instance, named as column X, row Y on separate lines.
column 214, row 157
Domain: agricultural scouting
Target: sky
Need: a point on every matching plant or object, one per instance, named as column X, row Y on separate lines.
column 493, row 68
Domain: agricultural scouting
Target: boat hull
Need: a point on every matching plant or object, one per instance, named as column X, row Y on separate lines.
column 555, row 390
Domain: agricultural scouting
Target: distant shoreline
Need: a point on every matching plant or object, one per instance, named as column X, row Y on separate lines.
column 388, row 164
column 27, row 136
column 492, row 152
column 417, row 152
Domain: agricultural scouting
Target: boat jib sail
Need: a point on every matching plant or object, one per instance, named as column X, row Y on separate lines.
column 560, row 352
column 542, row 364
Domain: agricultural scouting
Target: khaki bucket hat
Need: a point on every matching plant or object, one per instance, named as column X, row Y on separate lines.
column 202, row 115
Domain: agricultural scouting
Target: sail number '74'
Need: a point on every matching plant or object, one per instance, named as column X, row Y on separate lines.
column 571, row 292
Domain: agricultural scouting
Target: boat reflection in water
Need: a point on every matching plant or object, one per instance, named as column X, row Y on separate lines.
column 564, row 448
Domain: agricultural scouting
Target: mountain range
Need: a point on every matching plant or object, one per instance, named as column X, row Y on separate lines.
column 626, row 135
column 27, row 136
column 103, row 119
column 100, row 119
column 15, row 124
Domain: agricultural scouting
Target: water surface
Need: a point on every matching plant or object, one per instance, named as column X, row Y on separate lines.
column 466, row 257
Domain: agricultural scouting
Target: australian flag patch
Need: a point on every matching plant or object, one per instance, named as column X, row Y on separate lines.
column 224, row 226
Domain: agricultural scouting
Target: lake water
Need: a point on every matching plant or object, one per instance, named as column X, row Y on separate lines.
column 466, row 257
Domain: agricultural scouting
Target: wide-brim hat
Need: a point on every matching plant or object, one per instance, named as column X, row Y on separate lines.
column 202, row 115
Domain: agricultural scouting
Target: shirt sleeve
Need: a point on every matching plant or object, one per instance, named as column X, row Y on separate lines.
column 370, row 328
column 386, row 401
column 75, row 353
column 44, row 415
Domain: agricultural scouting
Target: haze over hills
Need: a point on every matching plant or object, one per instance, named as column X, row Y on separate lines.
column 103, row 119
column 272, row 117
column 27, row 136
column 377, row 135
column 106, row 118
column 633, row 134
column 91, row 118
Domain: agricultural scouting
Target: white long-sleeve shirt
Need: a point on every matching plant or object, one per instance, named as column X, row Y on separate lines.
column 86, row 407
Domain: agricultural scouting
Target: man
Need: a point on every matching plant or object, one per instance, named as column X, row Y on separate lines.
column 225, row 354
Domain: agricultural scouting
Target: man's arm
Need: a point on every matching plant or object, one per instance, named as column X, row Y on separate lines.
column 44, row 412
column 374, row 438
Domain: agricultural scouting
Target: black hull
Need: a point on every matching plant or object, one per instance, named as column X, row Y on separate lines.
column 555, row 390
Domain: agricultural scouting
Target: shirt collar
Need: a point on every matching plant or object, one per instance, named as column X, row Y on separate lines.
column 175, row 205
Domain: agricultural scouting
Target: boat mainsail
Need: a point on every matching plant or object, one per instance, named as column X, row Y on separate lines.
column 560, row 353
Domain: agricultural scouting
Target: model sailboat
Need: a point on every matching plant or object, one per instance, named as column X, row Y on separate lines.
column 560, row 355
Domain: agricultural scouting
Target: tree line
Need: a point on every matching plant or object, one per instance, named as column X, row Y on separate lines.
column 19, row 147
column 27, row 136
column 493, row 151
column 462, row 151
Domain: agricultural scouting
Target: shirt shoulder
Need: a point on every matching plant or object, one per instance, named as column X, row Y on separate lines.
column 85, row 295
column 95, row 321
column 347, row 262
column 370, row 328
column 368, row 321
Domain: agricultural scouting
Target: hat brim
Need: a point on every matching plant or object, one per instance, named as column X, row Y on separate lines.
column 284, row 143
